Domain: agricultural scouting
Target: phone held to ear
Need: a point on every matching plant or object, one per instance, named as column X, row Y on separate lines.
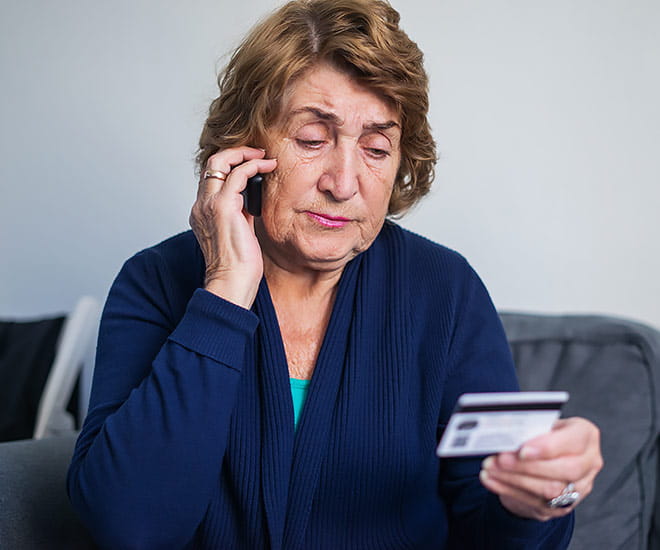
column 252, row 195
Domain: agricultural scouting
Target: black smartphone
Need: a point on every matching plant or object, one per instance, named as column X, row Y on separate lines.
column 252, row 195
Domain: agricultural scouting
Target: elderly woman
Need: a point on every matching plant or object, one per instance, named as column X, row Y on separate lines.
column 282, row 381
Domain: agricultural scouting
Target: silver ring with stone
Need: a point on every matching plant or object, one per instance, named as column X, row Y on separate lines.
column 568, row 497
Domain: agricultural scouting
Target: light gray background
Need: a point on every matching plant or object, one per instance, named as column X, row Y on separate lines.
column 547, row 117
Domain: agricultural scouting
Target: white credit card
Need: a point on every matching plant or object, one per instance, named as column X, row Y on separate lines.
column 487, row 423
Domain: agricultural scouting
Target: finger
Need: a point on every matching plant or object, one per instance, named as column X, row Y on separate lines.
column 569, row 468
column 543, row 488
column 226, row 159
column 521, row 502
column 570, row 452
column 568, row 436
column 578, row 470
column 210, row 183
column 215, row 200
column 238, row 177
column 223, row 161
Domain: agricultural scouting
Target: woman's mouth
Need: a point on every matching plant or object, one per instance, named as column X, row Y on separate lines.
column 328, row 221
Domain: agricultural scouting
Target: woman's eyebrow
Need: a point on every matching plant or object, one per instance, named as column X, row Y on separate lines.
column 334, row 119
column 381, row 126
column 318, row 113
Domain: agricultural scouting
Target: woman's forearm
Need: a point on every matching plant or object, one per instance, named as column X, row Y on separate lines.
column 151, row 451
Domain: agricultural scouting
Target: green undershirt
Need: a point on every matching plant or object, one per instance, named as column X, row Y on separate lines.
column 298, row 393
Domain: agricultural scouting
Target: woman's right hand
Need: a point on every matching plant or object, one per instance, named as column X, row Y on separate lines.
column 225, row 232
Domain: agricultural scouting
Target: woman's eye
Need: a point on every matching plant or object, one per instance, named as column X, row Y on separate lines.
column 310, row 143
column 378, row 153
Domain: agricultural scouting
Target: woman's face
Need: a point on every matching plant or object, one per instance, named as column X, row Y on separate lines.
column 337, row 150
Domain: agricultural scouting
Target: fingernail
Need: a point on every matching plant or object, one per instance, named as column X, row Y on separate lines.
column 483, row 475
column 528, row 453
column 487, row 463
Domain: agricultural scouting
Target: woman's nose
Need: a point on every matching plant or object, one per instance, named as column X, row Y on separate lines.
column 341, row 176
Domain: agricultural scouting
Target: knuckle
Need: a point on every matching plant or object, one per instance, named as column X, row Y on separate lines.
column 210, row 209
column 193, row 220
column 552, row 489
column 599, row 463
column 573, row 471
column 215, row 156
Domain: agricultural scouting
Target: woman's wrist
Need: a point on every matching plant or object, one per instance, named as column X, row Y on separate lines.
column 234, row 290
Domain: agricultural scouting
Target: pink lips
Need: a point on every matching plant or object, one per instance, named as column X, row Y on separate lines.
column 328, row 221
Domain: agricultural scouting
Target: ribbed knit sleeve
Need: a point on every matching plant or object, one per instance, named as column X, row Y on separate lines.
column 151, row 450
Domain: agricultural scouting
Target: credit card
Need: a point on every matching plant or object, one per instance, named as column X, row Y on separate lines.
column 487, row 423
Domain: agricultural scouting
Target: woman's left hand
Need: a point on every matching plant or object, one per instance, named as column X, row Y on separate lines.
column 528, row 479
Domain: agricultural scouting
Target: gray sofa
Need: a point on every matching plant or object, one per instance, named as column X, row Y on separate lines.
column 35, row 513
column 610, row 366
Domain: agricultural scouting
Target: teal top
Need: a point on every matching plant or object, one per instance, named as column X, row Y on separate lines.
column 298, row 393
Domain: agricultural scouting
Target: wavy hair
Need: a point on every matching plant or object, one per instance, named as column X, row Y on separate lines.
column 361, row 37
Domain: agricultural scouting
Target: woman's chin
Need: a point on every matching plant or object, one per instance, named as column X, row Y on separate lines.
column 325, row 260
column 314, row 257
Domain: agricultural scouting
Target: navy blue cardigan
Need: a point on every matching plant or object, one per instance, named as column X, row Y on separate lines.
column 190, row 442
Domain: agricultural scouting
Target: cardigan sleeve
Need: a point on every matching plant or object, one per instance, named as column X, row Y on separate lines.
column 151, row 448
column 479, row 360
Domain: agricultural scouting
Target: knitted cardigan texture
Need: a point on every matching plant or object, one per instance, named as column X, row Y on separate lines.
column 190, row 442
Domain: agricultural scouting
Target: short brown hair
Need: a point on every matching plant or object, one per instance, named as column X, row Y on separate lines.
column 360, row 36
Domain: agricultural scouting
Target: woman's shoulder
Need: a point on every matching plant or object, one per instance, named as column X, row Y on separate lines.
column 442, row 289
column 434, row 273
column 182, row 246
column 170, row 270
column 178, row 253
column 425, row 254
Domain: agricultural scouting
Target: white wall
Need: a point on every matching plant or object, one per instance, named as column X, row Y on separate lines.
column 546, row 115
column 548, row 120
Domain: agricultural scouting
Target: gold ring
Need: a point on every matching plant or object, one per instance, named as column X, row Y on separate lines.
column 216, row 174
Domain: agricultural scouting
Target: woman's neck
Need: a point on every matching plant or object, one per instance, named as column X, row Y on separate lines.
column 294, row 287
column 303, row 304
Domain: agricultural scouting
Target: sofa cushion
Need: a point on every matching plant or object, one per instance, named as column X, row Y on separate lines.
column 36, row 513
column 610, row 368
column 27, row 349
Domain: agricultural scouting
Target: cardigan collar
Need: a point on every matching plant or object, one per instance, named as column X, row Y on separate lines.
column 291, row 461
